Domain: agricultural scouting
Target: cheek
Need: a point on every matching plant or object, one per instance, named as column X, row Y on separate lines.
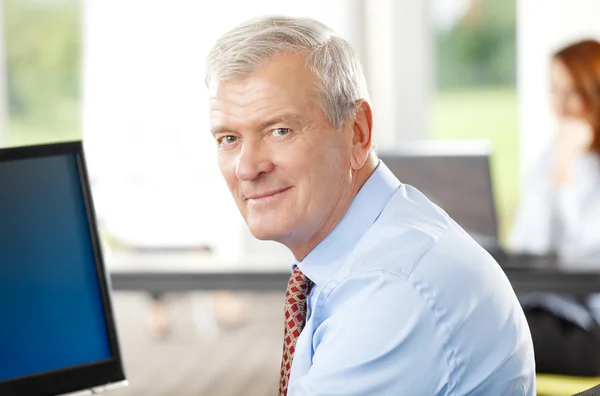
column 576, row 107
column 329, row 175
column 227, row 167
column 556, row 103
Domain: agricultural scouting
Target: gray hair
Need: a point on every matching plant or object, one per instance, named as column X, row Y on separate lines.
column 244, row 49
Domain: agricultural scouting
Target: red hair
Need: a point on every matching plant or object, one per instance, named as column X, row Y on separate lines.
column 582, row 60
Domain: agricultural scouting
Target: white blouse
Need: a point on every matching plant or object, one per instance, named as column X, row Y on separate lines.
column 564, row 220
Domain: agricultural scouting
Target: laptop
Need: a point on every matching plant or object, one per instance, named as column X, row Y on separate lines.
column 57, row 332
column 455, row 175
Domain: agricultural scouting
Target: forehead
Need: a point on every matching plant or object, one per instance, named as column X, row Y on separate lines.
column 283, row 83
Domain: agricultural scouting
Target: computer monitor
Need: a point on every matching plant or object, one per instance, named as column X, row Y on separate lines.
column 456, row 176
column 57, row 331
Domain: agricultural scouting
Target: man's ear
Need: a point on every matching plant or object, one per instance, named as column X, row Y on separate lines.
column 362, row 137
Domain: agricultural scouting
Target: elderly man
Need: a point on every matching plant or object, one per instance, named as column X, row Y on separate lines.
column 388, row 295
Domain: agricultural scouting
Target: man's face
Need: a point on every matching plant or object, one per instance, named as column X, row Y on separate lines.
column 285, row 165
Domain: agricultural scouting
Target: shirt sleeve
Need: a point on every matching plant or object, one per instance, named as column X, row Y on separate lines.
column 381, row 337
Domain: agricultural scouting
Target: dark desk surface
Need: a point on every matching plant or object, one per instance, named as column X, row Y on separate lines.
column 179, row 272
column 549, row 274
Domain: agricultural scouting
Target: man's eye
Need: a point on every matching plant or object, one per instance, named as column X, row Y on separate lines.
column 280, row 131
column 229, row 139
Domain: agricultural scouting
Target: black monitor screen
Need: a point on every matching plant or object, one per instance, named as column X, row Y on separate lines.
column 51, row 302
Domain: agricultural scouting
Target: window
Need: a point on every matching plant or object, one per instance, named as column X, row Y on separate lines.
column 42, row 54
column 475, row 98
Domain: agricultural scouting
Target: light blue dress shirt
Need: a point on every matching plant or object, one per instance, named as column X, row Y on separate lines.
column 404, row 302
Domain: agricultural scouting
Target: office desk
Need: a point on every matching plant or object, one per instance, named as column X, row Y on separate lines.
column 189, row 271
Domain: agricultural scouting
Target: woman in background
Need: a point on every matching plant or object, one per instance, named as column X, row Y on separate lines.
column 560, row 214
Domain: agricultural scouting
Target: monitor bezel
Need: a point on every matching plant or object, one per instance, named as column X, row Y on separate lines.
column 88, row 375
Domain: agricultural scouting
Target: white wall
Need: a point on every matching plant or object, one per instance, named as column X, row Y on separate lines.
column 399, row 69
column 542, row 28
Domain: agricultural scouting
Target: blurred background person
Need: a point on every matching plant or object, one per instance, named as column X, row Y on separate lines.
column 560, row 213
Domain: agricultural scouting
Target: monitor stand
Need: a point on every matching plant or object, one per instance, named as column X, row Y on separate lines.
column 99, row 389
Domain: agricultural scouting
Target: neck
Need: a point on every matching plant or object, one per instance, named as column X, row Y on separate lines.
column 359, row 178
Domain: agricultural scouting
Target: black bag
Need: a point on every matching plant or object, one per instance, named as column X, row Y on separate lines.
column 563, row 347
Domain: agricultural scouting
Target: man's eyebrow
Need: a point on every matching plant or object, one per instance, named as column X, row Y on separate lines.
column 219, row 129
column 287, row 118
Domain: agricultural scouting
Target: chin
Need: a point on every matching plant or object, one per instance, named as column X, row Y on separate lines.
column 264, row 233
column 268, row 228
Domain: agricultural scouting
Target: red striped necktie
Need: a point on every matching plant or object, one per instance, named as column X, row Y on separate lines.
column 295, row 318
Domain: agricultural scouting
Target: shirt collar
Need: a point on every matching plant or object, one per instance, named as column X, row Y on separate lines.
column 329, row 255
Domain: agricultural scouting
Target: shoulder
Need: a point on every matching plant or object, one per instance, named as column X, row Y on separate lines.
column 427, row 258
column 413, row 234
column 541, row 169
column 406, row 230
column 587, row 168
column 416, row 273
column 424, row 255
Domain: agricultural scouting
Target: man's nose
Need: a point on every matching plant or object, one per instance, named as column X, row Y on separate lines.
column 253, row 160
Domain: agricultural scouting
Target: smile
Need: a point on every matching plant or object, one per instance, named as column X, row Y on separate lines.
column 267, row 197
